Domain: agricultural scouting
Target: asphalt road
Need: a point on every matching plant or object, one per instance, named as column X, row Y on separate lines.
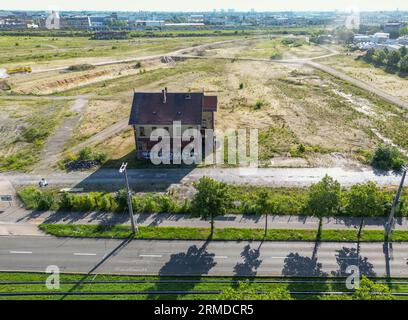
column 278, row 177
column 198, row 257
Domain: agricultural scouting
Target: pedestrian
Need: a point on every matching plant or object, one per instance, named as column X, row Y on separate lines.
column 43, row 183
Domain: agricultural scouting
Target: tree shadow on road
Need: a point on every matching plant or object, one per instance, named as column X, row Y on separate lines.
column 296, row 265
column 249, row 267
column 346, row 257
column 195, row 262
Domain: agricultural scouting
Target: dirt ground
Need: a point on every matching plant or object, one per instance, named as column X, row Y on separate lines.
column 304, row 117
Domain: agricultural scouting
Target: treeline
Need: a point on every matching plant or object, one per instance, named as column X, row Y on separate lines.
column 394, row 60
column 325, row 198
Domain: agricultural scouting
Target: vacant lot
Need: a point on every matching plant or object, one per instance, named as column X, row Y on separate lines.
column 47, row 52
column 25, row 126
column 390, row 83
column 304, row 117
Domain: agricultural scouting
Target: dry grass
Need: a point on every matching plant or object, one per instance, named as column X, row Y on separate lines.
column 390, row 83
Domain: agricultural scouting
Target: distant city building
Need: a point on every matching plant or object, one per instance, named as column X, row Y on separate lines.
column 393, row 27
column 76, row 22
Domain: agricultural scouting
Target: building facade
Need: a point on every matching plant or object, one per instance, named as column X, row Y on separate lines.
column 151, row 111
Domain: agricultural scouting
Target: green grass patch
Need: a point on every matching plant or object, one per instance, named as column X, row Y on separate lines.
column 232, row 234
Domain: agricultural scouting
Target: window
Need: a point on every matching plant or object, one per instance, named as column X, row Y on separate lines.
column 142, row 131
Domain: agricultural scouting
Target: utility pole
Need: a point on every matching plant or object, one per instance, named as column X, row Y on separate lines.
column 390, row 223
column 129, row 197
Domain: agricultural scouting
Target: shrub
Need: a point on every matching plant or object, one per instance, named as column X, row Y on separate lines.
column 66, row 201
column 81, row 67
column 259, row 104
column 276, row 56
column 166, row 204
column 121, row 199
column 45, row 201
column 149, row 205
column 29, row 196
column 369, row 290
column 241, row 86
column 85, row 154
column 386, row 158
column 34, row 198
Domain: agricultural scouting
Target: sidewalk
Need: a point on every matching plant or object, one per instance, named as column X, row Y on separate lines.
column 22, row 216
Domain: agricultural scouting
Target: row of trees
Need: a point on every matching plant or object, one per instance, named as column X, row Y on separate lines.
column 392, row 59
column 324, row 198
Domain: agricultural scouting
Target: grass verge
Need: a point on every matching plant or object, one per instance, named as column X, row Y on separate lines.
column 227, row 234
column 119, row 284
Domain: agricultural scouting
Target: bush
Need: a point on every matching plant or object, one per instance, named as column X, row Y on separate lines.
column 85, row 154
column 29, row 196
column 45, row 201
column 34, row 198
column 81, row 67
column 66, row 201
column 387, row 157
column 259, row 104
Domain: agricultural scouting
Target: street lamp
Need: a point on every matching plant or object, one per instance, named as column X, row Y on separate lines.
column 129, row 197
column 390, row 223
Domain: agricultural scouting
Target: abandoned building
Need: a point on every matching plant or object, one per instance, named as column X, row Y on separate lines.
column 151, row 111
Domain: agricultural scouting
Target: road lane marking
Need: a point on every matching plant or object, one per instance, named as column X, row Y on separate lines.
column 279, row 257
column 151, row 255
column 22, row 252
column 84, row 254
column 220, row 257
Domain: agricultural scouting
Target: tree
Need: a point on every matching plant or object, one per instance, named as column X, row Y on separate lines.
column 264, row 205
column 369, row 55
column 370, row 290
column 403, row 51
column 212, row 199
column 324, row 197
column 393, row 59
column 386, row 158
column 403, row 65
column 365, row 200
column 380, row 56
column 345, row 36
column 244, row 291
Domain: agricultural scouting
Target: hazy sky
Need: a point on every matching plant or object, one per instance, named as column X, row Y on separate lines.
column 203, row 5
